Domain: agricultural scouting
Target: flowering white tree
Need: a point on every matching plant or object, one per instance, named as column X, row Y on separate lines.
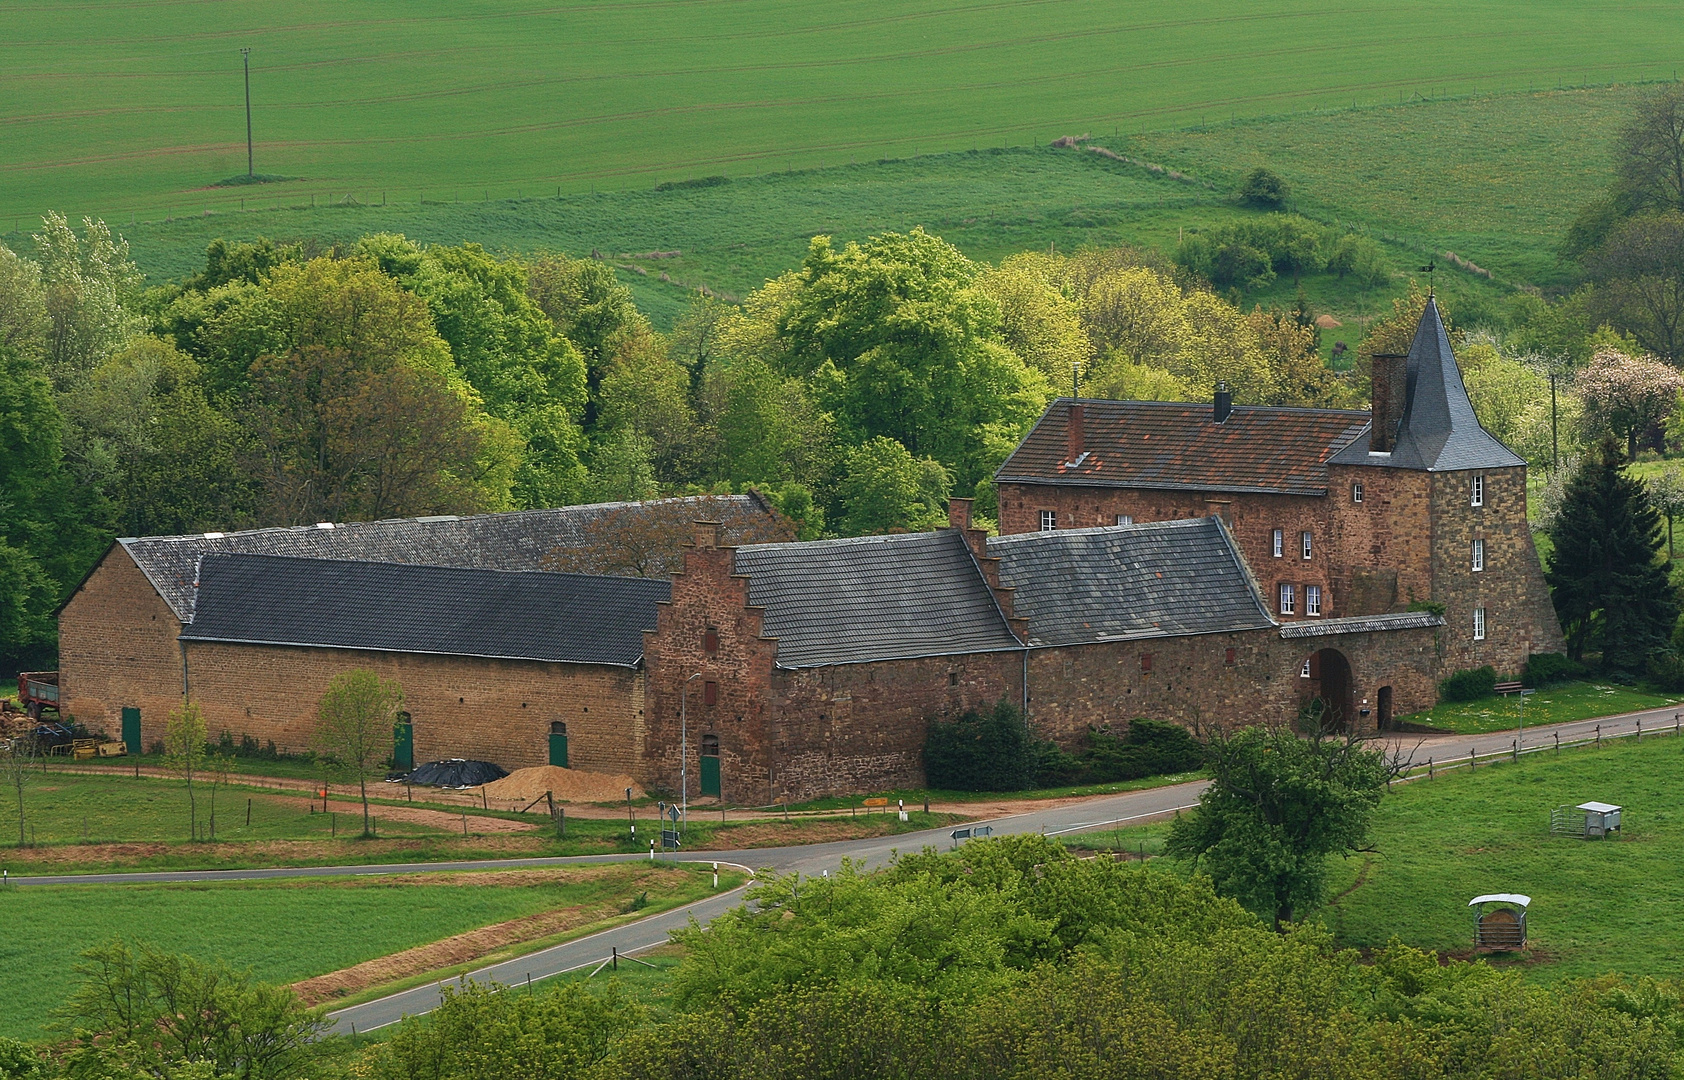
column 1627, row 395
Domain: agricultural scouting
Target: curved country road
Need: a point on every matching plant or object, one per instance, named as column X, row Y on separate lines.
column 1097, row 813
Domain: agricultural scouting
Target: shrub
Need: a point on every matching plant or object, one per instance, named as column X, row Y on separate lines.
column 1665, row 670
column 1264, row 190
column 982, row 751
column 1548, row 669
column 1469, row 685
column 1150, row 748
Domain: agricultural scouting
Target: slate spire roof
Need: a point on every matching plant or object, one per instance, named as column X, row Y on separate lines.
column 1439, row 431
column 870, row 598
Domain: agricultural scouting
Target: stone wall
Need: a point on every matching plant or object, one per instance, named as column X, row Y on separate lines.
column 1219, row 681
column 1519, row 617
column 117, row 649
column 493, row 710
column 1380, row 546
column 1251, row 518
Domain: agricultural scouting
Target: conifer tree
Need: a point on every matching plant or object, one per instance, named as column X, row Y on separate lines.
column 1608, row 585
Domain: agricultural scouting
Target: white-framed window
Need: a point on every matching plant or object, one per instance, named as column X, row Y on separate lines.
column 1304, row 539
column 1478, row 557
column 1312, row 599
column 1289, row 598
column 1304, row 672
column 1356, row 492
column 1280, row 543
column 1479, row 624
column 1477, row 497
column 1049, row 521
column 1125, row 519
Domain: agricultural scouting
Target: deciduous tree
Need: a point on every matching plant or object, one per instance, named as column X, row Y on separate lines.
column 355, row 721
column 1277, row 807
column 886, row 489
column 1627, row 396
column 1639, row 273
column 184, row 753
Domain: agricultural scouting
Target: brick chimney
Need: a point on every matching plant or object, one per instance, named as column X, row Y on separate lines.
column 959, row 513
column 1224, row 403
column 707, row 534
column 1074, row 433
column 1388, row 390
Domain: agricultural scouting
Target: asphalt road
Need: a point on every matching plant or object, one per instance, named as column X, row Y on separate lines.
column 1097, row 813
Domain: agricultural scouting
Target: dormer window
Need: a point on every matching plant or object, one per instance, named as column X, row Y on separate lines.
column 1477, row 496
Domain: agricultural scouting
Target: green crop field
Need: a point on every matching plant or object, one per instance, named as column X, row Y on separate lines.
column 282, row 931
column 113, row 108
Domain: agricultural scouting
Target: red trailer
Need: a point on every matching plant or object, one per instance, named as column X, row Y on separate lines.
column 38, row 691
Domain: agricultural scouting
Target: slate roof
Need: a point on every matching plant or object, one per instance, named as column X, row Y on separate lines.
column 443, row 610
column 873, row 598
column 514, row 541
column 1157, row 579
column 1362, row 624
column 1439, row 431
column 1176, row 445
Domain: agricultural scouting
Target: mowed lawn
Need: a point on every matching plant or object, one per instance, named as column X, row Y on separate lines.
column 1556, row 705
column 110, row 109
column 285, row 930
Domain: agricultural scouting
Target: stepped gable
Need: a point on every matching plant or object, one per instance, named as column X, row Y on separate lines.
column 520, row 540
column 1438, row 431
column 1121, row 582
column 438, row 610
column 873, row 598
column 1179, row 445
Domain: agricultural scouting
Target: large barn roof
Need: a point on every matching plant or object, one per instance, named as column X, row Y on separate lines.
column 1158, row 579
column 521, row 540
column 440, row 610
column 873, row 598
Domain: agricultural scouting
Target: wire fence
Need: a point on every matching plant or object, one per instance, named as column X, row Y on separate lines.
column 1474, row 759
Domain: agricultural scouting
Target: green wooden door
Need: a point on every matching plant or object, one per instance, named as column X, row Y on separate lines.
column 131, row 729
column 710, row 774
column 558, row 748
column 403, row 746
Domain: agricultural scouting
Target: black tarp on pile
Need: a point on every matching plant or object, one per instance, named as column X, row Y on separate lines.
column 457, row 772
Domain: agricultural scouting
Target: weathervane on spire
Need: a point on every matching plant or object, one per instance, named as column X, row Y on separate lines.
column 1428, row 270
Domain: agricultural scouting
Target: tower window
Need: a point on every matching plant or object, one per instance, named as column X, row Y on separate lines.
column 1478, row 496
column 1289, row 598
column 1280, row 543
column 1312, row 599
column 1356, row 492
column 710, row 641
column 1305, row 537
column 1478, row 555
column 710, row 693
column 1049, row 521
column 1479, row 624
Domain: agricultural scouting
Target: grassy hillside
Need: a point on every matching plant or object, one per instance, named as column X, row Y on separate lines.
column 137, row 107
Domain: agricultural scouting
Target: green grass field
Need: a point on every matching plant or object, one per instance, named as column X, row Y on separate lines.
column 282, row 931
column 112, row 108
column 1557, row 705
column 1596, row 906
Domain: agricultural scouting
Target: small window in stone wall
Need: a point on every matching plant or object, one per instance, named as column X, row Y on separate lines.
column 1304, row 540
column 1231, row 654
column 1280, row 543
column 1125, row 519
column 1477, row 497
column 1146, row 662
column 1304, row 672
column 1479, row 624
column 710, row 641
column 710, row 693
column 1049, row 521
column 1356, row 492
column 1289, row 599
column 953, row 678
column 558, row 727
column 1478, row 557
column 1312, row 599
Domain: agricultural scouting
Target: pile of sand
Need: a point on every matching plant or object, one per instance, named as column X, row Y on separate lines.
column 566, row 785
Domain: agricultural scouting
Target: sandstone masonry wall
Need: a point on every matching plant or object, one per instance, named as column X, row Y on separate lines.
column 118, row 648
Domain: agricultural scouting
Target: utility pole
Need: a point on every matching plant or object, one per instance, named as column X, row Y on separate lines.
column 245, row 57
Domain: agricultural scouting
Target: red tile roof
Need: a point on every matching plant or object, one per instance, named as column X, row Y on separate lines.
column 1164, row 444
